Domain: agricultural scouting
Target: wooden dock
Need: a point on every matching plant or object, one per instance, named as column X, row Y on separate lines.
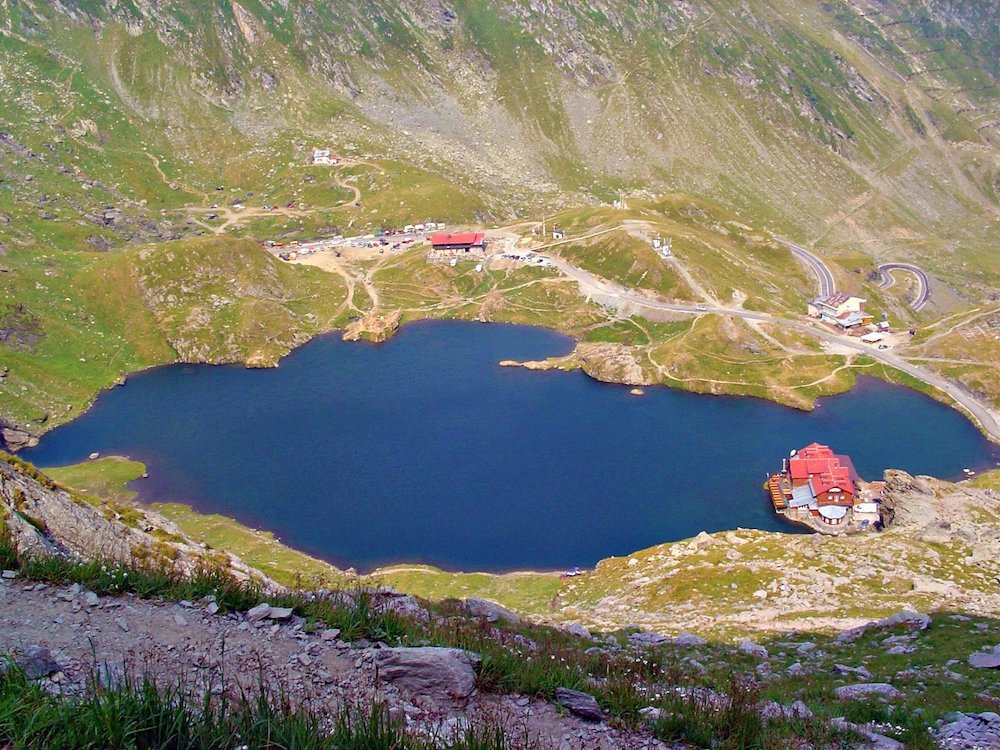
column 780, row 489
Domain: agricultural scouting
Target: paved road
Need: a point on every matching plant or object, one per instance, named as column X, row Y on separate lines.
column 923, row 293
column 981, row 413
column 827, row 284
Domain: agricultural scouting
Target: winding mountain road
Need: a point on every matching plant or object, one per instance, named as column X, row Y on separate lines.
column 827, row 284
column 591, row 285
column 923, row 293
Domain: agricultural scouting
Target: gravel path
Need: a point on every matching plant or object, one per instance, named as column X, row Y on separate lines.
column 227, row 653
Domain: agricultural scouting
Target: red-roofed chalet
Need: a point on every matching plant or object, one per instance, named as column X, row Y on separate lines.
column 463, row 242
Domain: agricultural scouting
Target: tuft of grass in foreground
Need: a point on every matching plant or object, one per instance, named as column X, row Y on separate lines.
column 737, row 723
column 140, row 715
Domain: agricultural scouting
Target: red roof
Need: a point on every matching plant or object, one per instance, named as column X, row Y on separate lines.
column 464, row 239
column 815, row 450
column 836, row 299
column 813, row 459
column 837, row 477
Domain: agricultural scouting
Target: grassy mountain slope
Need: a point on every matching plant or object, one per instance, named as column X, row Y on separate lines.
column 869, row 128
column 857, row 124
column 78, row 321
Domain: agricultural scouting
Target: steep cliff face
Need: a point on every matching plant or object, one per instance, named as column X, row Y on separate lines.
column 42, row 518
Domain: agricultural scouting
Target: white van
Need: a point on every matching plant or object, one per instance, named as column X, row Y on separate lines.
column 408, row 228
column 418, row 228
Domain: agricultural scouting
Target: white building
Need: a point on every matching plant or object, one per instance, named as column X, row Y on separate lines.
column 323, row 157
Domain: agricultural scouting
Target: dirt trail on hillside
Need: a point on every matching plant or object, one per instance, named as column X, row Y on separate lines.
column 227, row 653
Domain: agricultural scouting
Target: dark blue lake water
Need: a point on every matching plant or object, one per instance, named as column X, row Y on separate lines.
column 423, row 449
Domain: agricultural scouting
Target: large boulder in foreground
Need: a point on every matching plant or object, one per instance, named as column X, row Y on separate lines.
column 434, row 672
column 582, row 704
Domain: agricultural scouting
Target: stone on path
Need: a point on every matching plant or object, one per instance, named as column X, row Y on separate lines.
column 266, row 611
column 582, row 704
column 37, row 662
column 434, row 672
column 258, row 613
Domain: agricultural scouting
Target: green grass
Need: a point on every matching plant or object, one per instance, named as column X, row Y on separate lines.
column 522, row 591
column 100, row 316
column 140, row 715
column 105, row 478
column 255, row 547
column 630, row 261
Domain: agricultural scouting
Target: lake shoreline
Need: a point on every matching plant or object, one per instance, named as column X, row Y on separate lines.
column 399, row 412
column 28, row 435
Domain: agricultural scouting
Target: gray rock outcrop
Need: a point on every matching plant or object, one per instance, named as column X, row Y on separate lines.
column 915, row 621
column 971, row 732
column 752, row 649
column 44, row 519
column 645, row 638
column 689, row 640
column 986, row 659
column 489, row 611
column 867, row 690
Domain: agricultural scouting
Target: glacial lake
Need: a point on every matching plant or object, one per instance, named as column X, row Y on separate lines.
column 424, row 449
